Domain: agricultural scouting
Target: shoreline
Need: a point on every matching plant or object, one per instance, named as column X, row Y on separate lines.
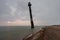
column 47, row 33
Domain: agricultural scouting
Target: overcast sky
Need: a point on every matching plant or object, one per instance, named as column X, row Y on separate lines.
column 16, row 12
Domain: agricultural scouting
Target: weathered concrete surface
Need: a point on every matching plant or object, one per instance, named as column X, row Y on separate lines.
column 48, row 33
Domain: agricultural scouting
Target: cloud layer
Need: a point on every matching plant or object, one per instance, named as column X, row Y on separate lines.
column 45, row 12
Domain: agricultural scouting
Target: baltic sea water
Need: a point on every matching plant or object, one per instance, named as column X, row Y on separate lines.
column 16, row 32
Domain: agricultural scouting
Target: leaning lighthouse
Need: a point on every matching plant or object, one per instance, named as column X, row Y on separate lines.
column 31, row 18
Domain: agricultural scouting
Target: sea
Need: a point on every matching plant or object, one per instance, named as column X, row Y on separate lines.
column 17, row 32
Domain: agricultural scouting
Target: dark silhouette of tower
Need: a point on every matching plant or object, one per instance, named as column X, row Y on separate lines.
column 31, row 18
